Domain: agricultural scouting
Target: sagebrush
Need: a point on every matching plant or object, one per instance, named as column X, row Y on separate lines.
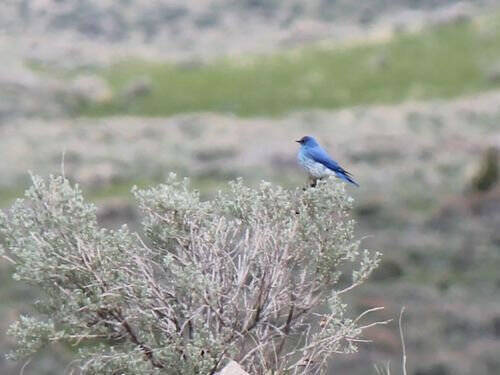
column 253, row 275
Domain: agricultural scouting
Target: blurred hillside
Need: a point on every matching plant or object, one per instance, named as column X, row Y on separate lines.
column 405, row 94
column 190, row 27
column 418, row 52
column 80, row 33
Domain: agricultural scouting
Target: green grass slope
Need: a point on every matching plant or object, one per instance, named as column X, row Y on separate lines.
column 440, row 62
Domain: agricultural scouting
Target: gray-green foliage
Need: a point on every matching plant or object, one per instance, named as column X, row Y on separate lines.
column 252, row 275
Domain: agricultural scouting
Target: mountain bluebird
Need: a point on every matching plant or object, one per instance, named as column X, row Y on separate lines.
column 318, row 163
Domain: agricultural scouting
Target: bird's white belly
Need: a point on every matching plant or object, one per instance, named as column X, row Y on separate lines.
column 315, row 169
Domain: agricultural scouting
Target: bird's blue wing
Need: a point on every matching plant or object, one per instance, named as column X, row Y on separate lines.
column 320, row 156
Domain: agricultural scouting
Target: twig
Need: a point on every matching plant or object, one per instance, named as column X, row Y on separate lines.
column 402, row 340
column 63, row 174
column 24, row 366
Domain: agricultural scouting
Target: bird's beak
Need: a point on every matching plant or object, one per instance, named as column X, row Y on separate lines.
column 298, row 141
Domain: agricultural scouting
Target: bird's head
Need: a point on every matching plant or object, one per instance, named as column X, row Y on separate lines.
column 307, row 141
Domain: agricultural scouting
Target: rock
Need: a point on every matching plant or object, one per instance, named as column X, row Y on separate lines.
column 138, row 87
column 486, row 173
column 90, row 89
column 233, row 368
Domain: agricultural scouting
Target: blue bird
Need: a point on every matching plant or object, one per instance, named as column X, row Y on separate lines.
column 318, row 163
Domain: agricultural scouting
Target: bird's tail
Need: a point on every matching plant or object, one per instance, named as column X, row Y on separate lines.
column 347, row 178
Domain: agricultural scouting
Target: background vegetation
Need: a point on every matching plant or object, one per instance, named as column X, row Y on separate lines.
column 405, row 95
column 442, row 61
